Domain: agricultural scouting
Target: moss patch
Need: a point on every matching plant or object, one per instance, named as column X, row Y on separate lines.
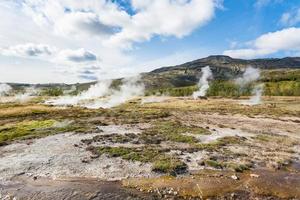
column 22, row 129
column 167, row 164
column 171, row 131
column 161, row 162
column 36, row 128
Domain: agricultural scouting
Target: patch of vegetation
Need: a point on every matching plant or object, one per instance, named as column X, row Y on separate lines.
column 222, row 165
column 112, row 138
column 141, row 155
column 167, row 164
column 175, row 92
column 282, row 88
column 216, row 146
column 277, row 139
column 36, row 128
column 214, row 164
column 263, row 138
column 239, row 167
column 161, row 163
column 22, row 129
column 52, row 91
column 171, row 131
column 131, row 112
column 277, row 83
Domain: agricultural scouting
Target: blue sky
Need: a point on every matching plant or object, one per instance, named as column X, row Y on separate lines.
column 76, row 41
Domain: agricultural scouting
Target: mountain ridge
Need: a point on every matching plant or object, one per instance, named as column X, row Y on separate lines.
column 226, row 61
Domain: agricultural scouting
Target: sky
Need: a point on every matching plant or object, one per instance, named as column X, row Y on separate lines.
column 70, row 41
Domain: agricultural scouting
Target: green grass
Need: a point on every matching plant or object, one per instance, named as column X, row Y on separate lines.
column 225, row 88
column 161, row 163
column 141, row 155
column 168, row 164
column 214, row 164
column 172, row 131
column 37, row 128
column 216, row 145
column 19, row 130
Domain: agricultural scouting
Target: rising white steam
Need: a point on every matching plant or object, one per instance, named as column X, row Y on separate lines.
column 22, row 97
column 4, row 89
column 28, row 94
column 101, row 95
column 98, row 90
column 250, row 75
column 256, row 98
column 129, row 89
column 203, row 82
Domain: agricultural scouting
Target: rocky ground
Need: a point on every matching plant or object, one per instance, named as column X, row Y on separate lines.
column 172, row 148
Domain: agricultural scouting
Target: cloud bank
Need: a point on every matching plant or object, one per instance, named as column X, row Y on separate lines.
column 71, row 35
column 283, row 40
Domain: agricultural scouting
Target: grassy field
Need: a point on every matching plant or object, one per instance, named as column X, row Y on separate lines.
column 176, row 136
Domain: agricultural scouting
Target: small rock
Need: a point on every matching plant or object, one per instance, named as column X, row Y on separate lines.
column 94, row 156
column 254, row 175
column 234, row 177
column 85, row 160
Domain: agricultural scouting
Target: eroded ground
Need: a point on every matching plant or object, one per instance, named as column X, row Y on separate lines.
column 173, row 148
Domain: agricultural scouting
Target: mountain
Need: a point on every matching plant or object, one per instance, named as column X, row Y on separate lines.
column 223, row 68
column 188, row 74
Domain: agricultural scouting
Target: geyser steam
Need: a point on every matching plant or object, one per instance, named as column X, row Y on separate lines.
column 250, row 75
column 257, row 93
column 4, row 89
column 101, row 95
column 203, row 82
column 129, row 89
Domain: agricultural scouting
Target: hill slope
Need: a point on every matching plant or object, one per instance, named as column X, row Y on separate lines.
column 223, row 68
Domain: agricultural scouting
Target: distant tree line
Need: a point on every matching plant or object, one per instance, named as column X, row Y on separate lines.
column 230, row 89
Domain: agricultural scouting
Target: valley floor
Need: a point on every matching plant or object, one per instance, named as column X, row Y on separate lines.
column 172, row 148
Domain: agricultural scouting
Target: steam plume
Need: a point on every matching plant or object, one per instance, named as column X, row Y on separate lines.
column 26, row 96
column 203, row 82
column 95, row 91
column 251, row 74
column 129, row 89
column 4, row 89
column 101, row 95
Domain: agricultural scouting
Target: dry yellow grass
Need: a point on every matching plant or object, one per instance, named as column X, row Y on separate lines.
column 10, row 111
column 272, row 106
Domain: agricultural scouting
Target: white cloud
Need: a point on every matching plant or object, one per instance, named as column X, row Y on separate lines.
column 82, row 23
column 28, row 50
column 163, row 17
column 49, row 53
column 69, row 36
column 103, row 18
column 77, row 56
column 273, row 42
column 290, row 18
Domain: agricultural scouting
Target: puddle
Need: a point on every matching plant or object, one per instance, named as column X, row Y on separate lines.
column 75, row 189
